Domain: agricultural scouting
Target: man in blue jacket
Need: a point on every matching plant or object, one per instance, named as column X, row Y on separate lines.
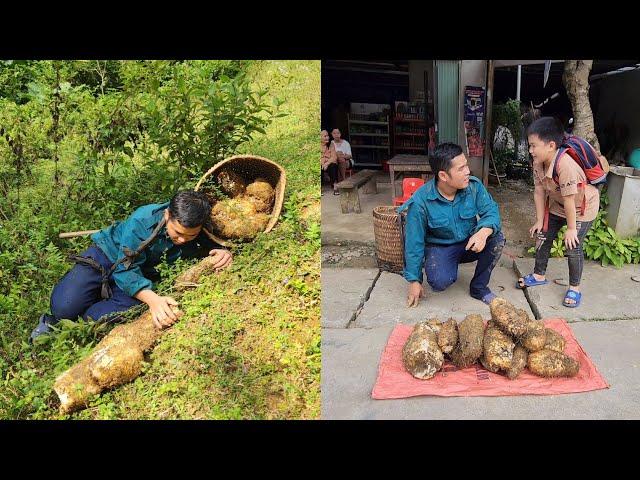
column 452, row 219
column 115, row 273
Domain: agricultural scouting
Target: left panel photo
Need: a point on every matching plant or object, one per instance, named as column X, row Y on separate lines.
column 159, row 239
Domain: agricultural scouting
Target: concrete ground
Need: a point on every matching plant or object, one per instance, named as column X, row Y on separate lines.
column 360, row 307
column 338, row 227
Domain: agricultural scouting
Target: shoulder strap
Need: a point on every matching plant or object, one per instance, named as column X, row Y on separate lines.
column 127, row 260
column 555, row 175
column 130, row 255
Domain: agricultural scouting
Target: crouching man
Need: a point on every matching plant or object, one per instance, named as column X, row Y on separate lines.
column 452, row 219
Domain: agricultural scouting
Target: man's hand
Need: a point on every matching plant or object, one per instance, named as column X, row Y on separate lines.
column 571, row 238
column 222, row 256
column 537, row 228
column 162, row 313
column 477, row 241
column 415, row 292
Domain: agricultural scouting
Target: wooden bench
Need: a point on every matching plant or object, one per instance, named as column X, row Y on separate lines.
column 349, row 189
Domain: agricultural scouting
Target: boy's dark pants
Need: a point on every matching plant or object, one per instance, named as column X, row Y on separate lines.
column 77, row 294
column 441, row 264
column 575, row 256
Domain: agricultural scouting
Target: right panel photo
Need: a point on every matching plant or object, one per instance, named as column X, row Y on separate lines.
column 480, row 239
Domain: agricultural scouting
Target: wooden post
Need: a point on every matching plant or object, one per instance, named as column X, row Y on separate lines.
column 487, row 131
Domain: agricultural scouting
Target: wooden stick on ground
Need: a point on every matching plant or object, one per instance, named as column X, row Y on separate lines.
column 77, row 234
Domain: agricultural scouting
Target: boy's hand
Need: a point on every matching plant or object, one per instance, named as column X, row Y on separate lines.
column 571, row 238
column 537, row 228
column 222, row 256
column 415, row 292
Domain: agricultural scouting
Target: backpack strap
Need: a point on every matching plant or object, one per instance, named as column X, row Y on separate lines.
column 556, row 178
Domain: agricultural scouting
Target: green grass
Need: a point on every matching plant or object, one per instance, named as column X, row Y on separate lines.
column 248, row 346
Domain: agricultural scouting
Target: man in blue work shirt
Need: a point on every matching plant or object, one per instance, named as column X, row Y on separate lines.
column 115, row 273
column 451, row 219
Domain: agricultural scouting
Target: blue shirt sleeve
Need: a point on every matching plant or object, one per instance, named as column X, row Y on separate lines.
column 414, row 244
column 487, row 210
column 131, row 280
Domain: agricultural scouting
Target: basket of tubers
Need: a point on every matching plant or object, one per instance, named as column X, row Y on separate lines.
column 246, row 193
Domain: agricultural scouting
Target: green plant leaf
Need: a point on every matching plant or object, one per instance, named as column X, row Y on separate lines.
column 598, row 253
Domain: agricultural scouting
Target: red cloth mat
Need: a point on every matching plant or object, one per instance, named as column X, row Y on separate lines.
column 395, row 382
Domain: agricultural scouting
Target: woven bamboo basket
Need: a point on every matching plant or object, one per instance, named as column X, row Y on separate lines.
column 251, row 167
column 389, row 239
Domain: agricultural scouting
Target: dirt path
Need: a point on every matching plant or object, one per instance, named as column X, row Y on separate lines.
column 515, row 200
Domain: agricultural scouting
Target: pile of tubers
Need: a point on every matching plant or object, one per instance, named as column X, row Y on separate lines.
column 510, row 342
column 246, row 211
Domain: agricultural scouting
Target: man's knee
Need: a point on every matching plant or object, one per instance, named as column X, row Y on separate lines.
column 497, row 241
column 495, row 245
column 439, row 284
column 64, row 308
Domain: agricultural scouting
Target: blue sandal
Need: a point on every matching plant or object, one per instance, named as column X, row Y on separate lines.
column 530, row 281
column 572, row 295
column 488, row 297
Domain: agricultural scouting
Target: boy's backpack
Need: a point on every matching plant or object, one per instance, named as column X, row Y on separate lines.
column 584, row 155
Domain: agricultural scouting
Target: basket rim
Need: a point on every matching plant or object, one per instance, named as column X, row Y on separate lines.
column 278, row 201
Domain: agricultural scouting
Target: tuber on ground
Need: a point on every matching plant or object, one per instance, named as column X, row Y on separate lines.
column 518, row 362
column 448, row 336
column 549, row 363
column 421, row 355
column 470, row 337
column 118, row 358
column 497, row 349
column 554, row 341
column 535, row 336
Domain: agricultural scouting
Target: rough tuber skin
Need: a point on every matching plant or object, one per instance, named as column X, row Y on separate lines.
column 470, row 338
column 549, row 363
column 421, row 355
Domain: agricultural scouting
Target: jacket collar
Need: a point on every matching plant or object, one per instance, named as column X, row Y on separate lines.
column 432, row 193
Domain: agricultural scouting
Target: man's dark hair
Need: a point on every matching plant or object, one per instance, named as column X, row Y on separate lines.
column 440, row 159
column 190, row 208
column 547, row 129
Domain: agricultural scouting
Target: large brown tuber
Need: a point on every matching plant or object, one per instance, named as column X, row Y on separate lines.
column 535, row 337
column 518, row 362
column 554, row 341
column 117, row 359
column 549, row 363
column 497, row 349
column 421, row 355
column 237, row 218
column 231, row 183
column 448, row 336
column 510, row 320
column 261, row 194
column 470, row 337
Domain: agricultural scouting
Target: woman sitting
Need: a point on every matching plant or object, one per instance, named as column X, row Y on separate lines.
column 329, row 160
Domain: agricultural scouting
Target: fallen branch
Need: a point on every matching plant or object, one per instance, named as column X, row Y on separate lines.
column 117, row 359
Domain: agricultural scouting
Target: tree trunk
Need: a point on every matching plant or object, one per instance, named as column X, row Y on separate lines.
column 576, row 82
